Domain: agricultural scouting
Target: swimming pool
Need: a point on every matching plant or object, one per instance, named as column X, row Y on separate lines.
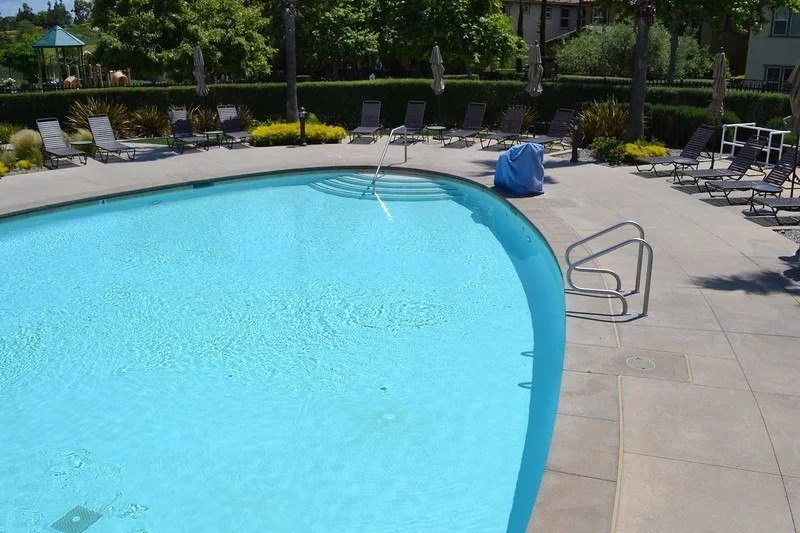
column 278, row 354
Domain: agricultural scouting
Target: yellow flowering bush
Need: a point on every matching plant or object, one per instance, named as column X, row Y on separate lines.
column 24, row 164
column 283, row 134
column 3, row 170
column 642, row 150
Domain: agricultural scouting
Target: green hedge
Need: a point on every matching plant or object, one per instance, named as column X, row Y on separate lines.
column 673, row 125
column 340, row 102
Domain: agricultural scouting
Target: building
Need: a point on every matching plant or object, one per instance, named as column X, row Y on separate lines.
column 561, row 17
column 773, row 52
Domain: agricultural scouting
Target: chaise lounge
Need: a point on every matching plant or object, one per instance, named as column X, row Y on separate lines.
column 414, row 120
column 370, row 124
column 231, row 126
column 55, row 147
column 688, row 157
column 557, row 131
column 470, row 127
column 740, row 165
column 182, row 132
column 105, row 141
column 509, row 130
column 772, row 184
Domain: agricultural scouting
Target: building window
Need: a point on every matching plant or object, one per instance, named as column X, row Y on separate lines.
column 777, row 73
column 548, row 13
column 564, row 17
column 785, row 23
column 598, row 16
column 527, row 9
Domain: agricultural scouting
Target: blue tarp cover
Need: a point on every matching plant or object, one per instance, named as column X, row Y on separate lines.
column 520, row 169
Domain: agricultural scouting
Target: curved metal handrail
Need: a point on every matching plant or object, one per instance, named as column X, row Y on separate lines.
column 398, row 129
column 643, row 245
column 609, row 229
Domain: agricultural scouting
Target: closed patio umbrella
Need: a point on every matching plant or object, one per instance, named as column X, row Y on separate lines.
column 535, row 71
column 199, row 72
column 794, row 120
column 716, row 108
column 437, row 67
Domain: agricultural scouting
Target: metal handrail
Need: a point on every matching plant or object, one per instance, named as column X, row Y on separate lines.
column 398, row 129
column 575, row 266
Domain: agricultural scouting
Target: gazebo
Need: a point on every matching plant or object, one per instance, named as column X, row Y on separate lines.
column 58, row 38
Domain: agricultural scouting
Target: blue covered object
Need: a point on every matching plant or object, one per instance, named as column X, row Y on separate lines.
column 520, row 170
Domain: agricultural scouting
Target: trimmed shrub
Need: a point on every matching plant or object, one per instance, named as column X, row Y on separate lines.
column 642, row 149
column 674, row 125
column 28, row 145
column 603, row 119
column 608, row 150
column 7, row 130
column 283, row 134
column 340, row 102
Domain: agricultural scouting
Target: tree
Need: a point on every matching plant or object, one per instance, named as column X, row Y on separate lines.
column 157, row 37
column 543, row 27
column 26, row 13
column 56, row 15
column 644, row 16
column 21, row 57
column 520, row 34
column 289, row 18
column 82, row 10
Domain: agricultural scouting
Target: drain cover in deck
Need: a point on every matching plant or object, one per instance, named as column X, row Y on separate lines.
column 640, row 363
column 77, row 520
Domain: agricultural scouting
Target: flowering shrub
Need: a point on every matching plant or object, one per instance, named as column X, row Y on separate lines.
column 641, row 149
column 3, row 170
column 283, row 134
column 24, row 164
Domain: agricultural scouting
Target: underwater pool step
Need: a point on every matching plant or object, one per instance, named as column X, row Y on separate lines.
column 387, row 187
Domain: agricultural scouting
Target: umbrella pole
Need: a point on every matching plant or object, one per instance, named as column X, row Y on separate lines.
column 439, row 108
column 794, row 167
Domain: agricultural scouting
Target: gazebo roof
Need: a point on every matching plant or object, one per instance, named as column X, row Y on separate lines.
column 58, row 37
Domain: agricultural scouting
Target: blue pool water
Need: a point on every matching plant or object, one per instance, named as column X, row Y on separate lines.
column 278, row 355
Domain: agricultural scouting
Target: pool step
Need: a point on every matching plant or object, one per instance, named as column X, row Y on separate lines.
column 406, row 188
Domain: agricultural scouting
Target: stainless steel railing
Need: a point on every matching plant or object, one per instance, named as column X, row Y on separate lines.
column 398, row 129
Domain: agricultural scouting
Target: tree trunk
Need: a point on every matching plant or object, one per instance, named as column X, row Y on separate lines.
column 289, row 17
column 520, row 33
column 643, row 19
column 543, row 27
column 673, row 54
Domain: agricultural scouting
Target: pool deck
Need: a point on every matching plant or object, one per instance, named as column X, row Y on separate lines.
column 708, row 439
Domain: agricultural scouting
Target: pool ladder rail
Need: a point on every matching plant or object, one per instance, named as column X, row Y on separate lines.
column 395, row 131
column 576, row 265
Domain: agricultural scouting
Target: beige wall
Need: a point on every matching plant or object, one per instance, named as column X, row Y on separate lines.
column 530, row 20
column 764, row 49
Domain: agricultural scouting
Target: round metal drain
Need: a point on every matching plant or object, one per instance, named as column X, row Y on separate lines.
column 640, row 363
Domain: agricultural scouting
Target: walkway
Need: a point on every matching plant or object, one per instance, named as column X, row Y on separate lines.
column 706, row 440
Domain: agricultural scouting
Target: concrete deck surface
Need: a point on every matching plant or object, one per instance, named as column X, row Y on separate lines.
column 706, row 440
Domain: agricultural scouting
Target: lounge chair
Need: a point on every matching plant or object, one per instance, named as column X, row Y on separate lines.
column 105, row 141
column 558, row 130
column 370, row 125
column 415, row 119
column 688, row 157
column 231, row 126
column 510, row 130
column 741, row 163
column 472, row 125
column 771, row 185
column 55, row 147
column 775, row 205
column 182, row 133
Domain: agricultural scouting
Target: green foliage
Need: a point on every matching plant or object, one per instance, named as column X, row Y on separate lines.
column 283, row 134
column 156, row 37
column 118, row 115
column 608, row 51
column 3, row 169
column 675, row 124
column 8, row 158
column 7, row 130
column 149, row 121
column 340, row 102
column 80, row 134
column 204, row 118
column 608, row 150
column 20, row 56
column 24, row 165
column 28, row 145
column 608, row 118
column 83, row 10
